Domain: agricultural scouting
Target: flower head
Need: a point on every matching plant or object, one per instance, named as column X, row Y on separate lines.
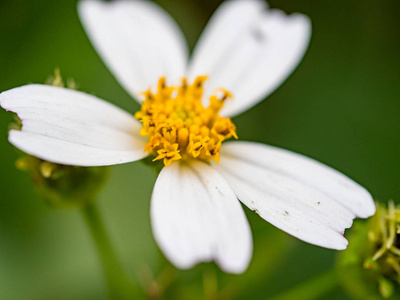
column 245, row 53
column 179, row 127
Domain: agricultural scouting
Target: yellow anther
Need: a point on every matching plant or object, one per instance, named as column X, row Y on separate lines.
column 148, row 127
column 196, row 144
column 177, row 124
column 148, row 96
column 169, row 134
column 161, row 84
column 196, row 89
column 169, row 153
column 183, row 88
column 223, row 128
column 155, row 141
column 223, row 94
column 212, row 150
column 199, row 80
column 217, row 100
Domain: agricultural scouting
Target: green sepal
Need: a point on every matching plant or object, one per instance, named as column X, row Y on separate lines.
column 63, row 186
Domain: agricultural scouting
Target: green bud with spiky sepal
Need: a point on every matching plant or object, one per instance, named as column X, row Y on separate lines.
column 64, row 186
column 370, row 267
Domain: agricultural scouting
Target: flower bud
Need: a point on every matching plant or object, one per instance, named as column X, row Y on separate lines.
column 64, row 186
column 370, row 267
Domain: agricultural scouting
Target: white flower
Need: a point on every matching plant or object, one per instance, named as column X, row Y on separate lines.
column 196, row 216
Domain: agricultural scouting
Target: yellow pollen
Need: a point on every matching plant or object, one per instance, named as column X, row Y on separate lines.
column 179, row 126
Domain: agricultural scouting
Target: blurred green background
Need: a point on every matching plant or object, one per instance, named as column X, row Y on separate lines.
column 341, row 106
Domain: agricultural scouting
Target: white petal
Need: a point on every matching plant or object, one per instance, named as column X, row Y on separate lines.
column 299, row 195
column 231, row 20
column 137, row 40
column 62, row 152
column 70, row 127
column 196, row 217
column 249, row 51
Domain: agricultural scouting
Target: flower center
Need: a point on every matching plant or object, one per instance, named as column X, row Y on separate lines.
column 179, row 126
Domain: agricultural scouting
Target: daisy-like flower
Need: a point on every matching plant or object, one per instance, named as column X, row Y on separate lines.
column 245, row 52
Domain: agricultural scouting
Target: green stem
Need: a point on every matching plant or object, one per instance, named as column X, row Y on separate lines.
column 210, row 283
column 311, row 289
column 119, row 286
column 268, row 260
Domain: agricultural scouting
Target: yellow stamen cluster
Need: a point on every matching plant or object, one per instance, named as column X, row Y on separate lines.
column 179, row 126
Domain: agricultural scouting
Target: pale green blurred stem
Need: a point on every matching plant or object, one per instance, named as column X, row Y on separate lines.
column 119, row 286
column 314, row 288
column 210, row 283
column 266, row 261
